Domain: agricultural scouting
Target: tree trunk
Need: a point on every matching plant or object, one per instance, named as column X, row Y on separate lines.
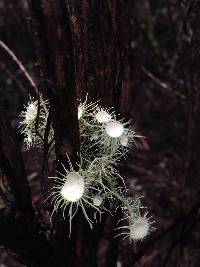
column 79, row 51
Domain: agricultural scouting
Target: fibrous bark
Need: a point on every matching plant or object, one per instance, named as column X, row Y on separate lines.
column 79, row 51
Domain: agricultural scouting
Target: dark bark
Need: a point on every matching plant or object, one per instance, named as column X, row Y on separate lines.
column 97, row 62
column 27, row 240
column 12, row 164
column 53, row 40
column 78, row 56
column 160, row 61
column 95, row 27
column 50, row 25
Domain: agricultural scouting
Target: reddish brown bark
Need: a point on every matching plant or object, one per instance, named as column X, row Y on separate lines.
column 50, row 25
column 95, row 27
column 78, row 56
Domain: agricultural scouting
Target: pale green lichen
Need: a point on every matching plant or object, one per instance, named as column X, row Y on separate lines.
column 33, row 124
column 97, row 184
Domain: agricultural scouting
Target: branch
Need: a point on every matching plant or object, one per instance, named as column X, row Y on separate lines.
column 135, row 257
column 162, row 84
column 12, row 77
column 27, row 240
column 24, row 71
column 20, row 65
column 185, row 231
column 13, row 166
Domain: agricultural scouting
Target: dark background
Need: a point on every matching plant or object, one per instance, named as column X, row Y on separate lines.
column 159, row 59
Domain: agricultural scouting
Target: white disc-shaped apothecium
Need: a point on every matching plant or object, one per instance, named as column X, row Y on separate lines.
column 80, row 111
column 97, row 201
column 103, row 116
column 114, row 129
column 73, row 188
column 31, row 112
column 140, row 229
column 124, row 140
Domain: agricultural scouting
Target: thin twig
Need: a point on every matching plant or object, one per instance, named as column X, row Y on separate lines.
column 159, row 82
column 24, row 71
column 12, row 77
column 20, row 65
